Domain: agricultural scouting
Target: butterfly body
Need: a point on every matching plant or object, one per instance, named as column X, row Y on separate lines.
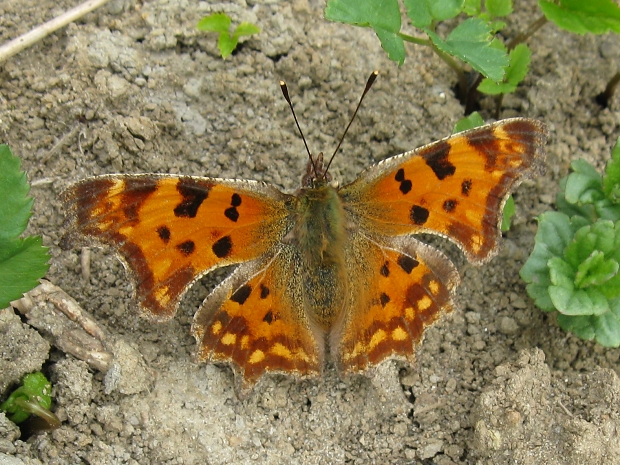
column 326, row 273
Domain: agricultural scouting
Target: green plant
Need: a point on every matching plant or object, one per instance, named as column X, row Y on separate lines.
column 472, row 41
column 574, row 267
column 22, row 261
column 32, row 397
column 220, row 23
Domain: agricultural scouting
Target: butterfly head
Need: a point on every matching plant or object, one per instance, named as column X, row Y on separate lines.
column 316, row 173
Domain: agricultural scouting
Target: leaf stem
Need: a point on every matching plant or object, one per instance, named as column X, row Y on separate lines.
column 529, row 32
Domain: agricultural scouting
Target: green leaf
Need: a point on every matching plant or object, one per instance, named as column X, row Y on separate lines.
column 607, row 326
column 498, row 8
column 583, row 16
column 16, row 205
column 515, row 73
column 581, row 326
column 587, row 211
column 246, row 29
column 423, row 12
column 562, row 273
column 508, row 213
column 226, row 44
column 472, row 7
column 578, row 302
column 471, row 42
column 584, row 184
column 22, row 263
column 611, row 180
column 35, row 388
column 595, row 270
column 217, row 22
column 383, row 16
column 474, row 120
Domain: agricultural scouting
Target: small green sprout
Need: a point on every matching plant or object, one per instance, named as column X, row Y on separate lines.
column 220, row 23
column 574, row 267
column 473, row 121
column 32, row 397
column 22, row 261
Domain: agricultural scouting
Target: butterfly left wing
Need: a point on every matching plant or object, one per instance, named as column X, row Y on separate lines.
column 170, row 230
column 255, row 321
column 455, row 187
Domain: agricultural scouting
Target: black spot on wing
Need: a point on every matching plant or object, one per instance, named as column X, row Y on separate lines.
column 186, row 248
column 268, row 318
column 466, row 187
column 264, row 291
column 436, row 158
column 407, row 263
column 449, row 205
column 405, row 184
column 418, row 215
column 193, row 193
column 232, row 214
column 385, row 270
column 222, row 247
column 164, row 234
column 242, row 294
column 384, row 298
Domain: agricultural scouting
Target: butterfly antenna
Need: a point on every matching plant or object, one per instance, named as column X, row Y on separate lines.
column 290, row 104
column 369, row 83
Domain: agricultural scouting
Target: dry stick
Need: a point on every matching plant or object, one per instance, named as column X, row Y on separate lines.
column 26, row 40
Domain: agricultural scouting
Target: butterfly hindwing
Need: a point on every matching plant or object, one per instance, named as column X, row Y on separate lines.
column 171, row 230
column 455, row 187
column 255, row 320
column 399, row 287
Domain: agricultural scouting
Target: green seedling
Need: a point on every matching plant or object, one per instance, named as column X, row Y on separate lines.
column 472, row 42
column 220, row 23
column 574, row 267
column 23, row 261
column 32, row 397
column 473, row 121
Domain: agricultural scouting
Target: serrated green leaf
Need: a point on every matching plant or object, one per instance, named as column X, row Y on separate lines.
column 217, row 22
column 581, row 17
column 472, row 7
column 16, row 205
column 22, row 263
column 581, row 326
column 498, row 8
column 383, row 16
column 611, row 179
column 246, row 29
column 515, row 73
column 471, row 42
column 474, row 120
column 423, row 12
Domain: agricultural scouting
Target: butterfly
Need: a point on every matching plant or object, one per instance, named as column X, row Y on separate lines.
column 327, row 272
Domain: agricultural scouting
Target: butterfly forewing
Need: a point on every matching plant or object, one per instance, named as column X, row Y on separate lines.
column 170, row 230
column 455, row 187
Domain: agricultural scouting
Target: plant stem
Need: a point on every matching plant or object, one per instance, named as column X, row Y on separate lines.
column 26, row 40
column 529, row 32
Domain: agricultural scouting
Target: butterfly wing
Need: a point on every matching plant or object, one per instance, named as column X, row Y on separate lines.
column 171, row 230
column 455, row 187
column 398, row 289
column 255, row 321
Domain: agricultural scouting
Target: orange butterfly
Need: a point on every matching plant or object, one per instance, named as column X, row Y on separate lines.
column 325, row 272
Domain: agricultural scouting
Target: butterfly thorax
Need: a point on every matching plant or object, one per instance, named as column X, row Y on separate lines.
column 319, row 234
